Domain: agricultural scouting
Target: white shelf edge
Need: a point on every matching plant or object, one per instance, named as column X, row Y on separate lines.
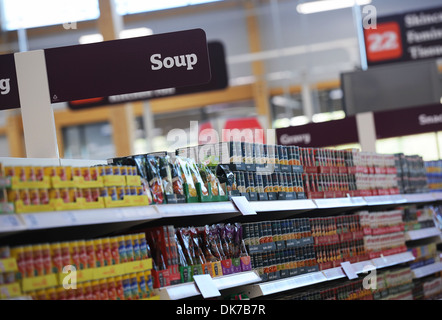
column 10, row 222
column 152, row 212
column 427, row 270
column 56, row 219
column 282, row 205
column 340, row 202
column 385, row 200
column 388, row 261
column 276, row 286
column 189, row 289
column 280, row 285
column 422, row 233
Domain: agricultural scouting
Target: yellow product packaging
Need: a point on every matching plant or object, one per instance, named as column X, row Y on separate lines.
column 51, row 293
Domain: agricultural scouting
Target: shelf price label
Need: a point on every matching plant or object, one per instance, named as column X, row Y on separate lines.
column 206, row 286
column 243, row 205
column 349, row 270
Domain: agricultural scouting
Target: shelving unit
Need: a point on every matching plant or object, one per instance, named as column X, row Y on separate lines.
column 205, row 211
column 199, row 213
column 272, row 287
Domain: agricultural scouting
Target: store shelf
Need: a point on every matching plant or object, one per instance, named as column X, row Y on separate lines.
column 281, row 285
column 11, row 223
column 348, row 202
column 392, row 260
column 190, row 289
column 226, row 209
column 271, row 287
column 57, row 219
column 418, row 197
column 283, row 205
column 386, row 200
column 427, row 270
column 190, row 209
column 422, row 234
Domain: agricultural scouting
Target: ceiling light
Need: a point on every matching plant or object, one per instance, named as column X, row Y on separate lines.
column 129, row 33
column 137, row 32
column 90, row 38
column 327, row 5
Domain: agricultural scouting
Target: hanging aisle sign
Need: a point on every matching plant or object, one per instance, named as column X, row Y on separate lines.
column 9, row 98
column 124, row 66
column 218, row 81
column 403, row 37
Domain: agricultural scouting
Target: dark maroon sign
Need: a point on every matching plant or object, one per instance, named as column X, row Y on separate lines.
column 9, row 98
column 408, row 121
column 407, row 36
column 139, row 64
column 321, row 134
column 218, row 81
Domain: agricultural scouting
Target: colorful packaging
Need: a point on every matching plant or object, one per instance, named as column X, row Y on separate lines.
column 82, row 252
column 111, row 288
column 90, row 251
column 57, row 262
column 115, row 250
column 65, row 254
column 136, row 247
column 107, row 252
column 46, row 257
column 99, row 254
column 119, row 288
column 127, row 289
column 134, row 286
column 143, row 245
column 129, row 248
column 75, row 254
column 122, row 249
column 87, row 289
column 142, row 288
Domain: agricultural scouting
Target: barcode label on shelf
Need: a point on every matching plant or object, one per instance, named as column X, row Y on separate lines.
column 349, row 270
column 243, row 205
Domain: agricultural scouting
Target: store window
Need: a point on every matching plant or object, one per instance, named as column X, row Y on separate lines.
column 91, row 141
column 4, row 146
column 425, row 145
column 24, row 14
column 162, row 136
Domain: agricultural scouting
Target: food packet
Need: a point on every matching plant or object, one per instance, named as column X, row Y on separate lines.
column 223, row 239
column 165, row 174
column 196, row 176
column 209, row 177
column 187, row 245
column 187, row 175
column 197, row 246
column 208, row 250
column 215, row 243
column 229, row 232
column 140, row 163
column 177, row 178
column 240, row 246
column 155, row 181
column 181, row 257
